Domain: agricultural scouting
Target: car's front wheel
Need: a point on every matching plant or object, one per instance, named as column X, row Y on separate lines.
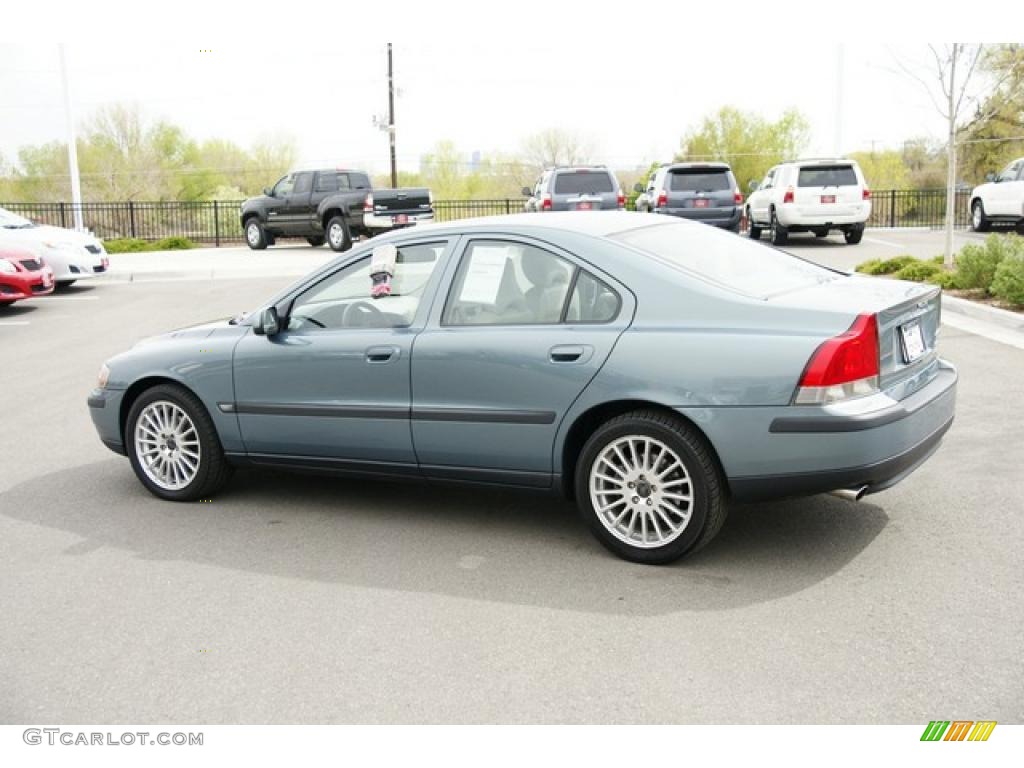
column 649, row 488
column 255, row 235
column 173, row 446
column 979, row 221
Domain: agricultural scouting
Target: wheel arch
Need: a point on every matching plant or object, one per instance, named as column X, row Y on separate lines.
column 590, row 420
column 330, row 212
column 140, row 386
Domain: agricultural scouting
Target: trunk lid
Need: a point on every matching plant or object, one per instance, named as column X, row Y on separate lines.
column 410, row 200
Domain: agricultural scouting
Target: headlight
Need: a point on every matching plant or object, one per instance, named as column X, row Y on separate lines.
column 101, row 381
column 7, row 268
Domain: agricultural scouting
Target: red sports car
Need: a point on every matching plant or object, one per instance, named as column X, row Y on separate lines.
column 22, row 276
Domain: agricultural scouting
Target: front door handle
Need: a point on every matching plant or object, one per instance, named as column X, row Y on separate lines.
column 568, row 353
column 382, row 354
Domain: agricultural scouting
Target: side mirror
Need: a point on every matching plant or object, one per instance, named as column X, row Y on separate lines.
column 268, row 192
column 990, row 177
column 527, row 192
column 638, row 187
column 752, row 186
column 268, row 323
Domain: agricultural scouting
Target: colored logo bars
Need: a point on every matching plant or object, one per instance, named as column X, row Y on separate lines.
column 958, row 730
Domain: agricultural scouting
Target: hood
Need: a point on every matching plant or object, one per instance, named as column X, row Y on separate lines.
column 200, row 331
column 47, row 234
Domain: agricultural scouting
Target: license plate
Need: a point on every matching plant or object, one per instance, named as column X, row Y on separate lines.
column 701, row 203
column 584, row 206
column 402, row 218
column 828, row 198
column 913, row 341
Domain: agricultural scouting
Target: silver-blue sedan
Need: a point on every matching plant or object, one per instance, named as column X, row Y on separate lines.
column 649, row 368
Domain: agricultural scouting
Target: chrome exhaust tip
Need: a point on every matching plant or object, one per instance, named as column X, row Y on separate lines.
column 850, row 494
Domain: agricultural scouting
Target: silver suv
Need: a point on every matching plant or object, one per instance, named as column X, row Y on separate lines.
column 705, row 192
column 576, row 188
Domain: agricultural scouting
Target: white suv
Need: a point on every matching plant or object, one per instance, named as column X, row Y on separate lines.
column 810, row 196
column 1001, row 200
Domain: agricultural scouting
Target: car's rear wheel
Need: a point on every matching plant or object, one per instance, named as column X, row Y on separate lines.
column 753, row 230
column 255, row 235
column 316, row 242
column 649, row 488
column 173, row 446
column 779, row 235
column 854, row 234
column 338, row 236
column 979, row 221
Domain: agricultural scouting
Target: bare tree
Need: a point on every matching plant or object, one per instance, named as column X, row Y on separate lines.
column 555, row 147
column 952, row 69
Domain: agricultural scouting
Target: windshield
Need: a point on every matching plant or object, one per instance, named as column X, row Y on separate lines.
column 721, row 257
column 10, row 220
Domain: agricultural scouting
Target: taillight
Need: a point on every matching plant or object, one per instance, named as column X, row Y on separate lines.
column 842, row 367
column 866, row 195
column 545, row 202
column 662, row 199
column 788, row 197
column 368, row 204
column 737, row 197
column 621, row 200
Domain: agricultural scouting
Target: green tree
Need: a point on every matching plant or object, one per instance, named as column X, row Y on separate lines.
column 748, row 142
column 883, row 170
column 991, row 139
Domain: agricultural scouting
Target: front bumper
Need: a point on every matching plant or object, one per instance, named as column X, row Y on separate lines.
column 105, row 409
column 395, row 221
column 26, row 285
column 799, row 450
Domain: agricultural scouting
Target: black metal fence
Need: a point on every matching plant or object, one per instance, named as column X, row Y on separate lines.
column 217, row 222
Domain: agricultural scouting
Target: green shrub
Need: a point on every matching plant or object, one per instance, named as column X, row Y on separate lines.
column 869, row 267
column 893, row 265
column 977, row 264
column 1008, row 283
column 918, row 271
column 943, row 279
column 125, row 245
column 172, row 244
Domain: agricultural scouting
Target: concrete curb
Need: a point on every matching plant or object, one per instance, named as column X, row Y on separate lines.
column 1002, row 317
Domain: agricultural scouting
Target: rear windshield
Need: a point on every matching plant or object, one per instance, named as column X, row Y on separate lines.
column 583, row 182
column 699, row 180
column 827, row 176
column 720, row 257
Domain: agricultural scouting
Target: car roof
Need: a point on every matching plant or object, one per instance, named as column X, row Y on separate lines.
column 820, row 161
column 695, row 164
column 593, row 223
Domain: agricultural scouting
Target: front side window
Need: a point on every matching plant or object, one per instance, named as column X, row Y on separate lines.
column 769, row 179
column 344, row 299
column 508, row 283
column 284, row 186
column 303, row 182
column 1010, row 172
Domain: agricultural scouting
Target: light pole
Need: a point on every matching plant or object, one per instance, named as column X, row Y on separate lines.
column 76, row 189
column 391, row 119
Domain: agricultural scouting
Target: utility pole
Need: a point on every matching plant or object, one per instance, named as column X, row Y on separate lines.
column 391, row 119
column 947, row 259
column 76, row 189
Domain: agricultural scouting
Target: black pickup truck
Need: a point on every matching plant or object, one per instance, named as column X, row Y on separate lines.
column 333, row 205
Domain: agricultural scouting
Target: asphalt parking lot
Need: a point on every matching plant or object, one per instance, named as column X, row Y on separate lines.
column 291, row 599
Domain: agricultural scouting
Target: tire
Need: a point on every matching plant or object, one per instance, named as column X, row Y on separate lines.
column 820, row 233
column 338, row 236
column 979, row 221
column 211, row 470
column 6, row 303
column 255, row 234
column 316, row 242
column 778, row 234
column 853, row 235
column 668, row 439
column 753, row 231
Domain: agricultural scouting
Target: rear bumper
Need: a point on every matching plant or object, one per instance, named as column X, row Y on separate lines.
column 389, row 221
column 799, row 451
column 728, row 218
column 820, row 216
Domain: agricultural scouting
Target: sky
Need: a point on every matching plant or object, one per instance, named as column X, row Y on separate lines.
column 483, row 97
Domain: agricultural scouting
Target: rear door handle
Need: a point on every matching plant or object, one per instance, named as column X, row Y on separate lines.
column 569, row 353
column 382, row 354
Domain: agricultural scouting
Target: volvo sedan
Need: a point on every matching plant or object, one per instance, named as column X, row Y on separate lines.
column 649, row 368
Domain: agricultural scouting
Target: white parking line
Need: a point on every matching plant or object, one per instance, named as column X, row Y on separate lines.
column 14, row 322
column 883, row 242
column 51, row 297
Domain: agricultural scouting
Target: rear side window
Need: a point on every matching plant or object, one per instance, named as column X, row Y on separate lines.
column 303, row 182
column 359, row 181
column 327, row 182
column 720, row 257
column 583, row 182
column 592, row 301
column 699, row 180
column 827, row 176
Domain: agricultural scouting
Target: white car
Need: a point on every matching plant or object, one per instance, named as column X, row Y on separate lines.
column 1000, row 200
column 816, row 196
column 72, row 255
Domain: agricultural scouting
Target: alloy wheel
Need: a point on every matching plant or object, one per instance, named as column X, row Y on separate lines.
column 167, row 445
